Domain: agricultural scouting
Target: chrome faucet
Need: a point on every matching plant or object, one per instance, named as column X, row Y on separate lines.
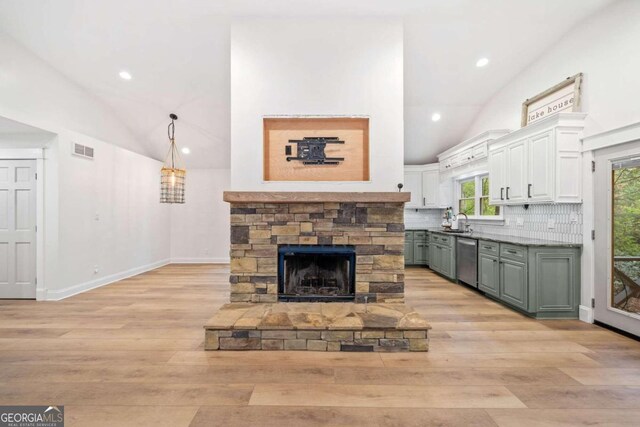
column 466, row 220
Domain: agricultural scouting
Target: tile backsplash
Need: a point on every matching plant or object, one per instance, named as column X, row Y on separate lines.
column 424, row 218
column 561, row 223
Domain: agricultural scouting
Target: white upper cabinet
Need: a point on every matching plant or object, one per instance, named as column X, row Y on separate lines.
column 427, row 189
column 497, row 181
column 516, row 172
column 479, row 151
column 541, row 174
column 540, row 163
column 430, row 188
column 413, row 185
column 467, row 154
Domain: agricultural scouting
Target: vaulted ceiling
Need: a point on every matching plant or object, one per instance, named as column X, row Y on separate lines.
column 178, row 54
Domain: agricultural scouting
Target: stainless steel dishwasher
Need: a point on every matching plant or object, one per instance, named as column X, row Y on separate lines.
column 467, row 257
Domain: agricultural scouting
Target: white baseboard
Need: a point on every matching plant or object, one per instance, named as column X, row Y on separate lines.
column 56, row 295
column 220, row 260
column 586, row 314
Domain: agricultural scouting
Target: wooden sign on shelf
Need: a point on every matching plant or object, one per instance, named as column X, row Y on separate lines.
column 316, row 149
column 565, row 96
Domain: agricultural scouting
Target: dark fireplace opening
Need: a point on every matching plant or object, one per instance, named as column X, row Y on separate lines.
column 316, row 273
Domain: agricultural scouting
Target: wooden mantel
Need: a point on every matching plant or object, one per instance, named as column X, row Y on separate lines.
column 314, row 197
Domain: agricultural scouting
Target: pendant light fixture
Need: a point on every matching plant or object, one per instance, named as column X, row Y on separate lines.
column 173, row 172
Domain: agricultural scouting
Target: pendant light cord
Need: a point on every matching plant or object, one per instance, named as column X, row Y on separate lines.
column 171, row 129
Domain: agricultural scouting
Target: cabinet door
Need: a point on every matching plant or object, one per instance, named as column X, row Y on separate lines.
column 430, row 189
column 554, row 281
column 497, row 166
column 447, row 264
column 454, row 161
column 479, row 152
column 513, row 283
column 434, row 257
column 541, row 174
column 427, row 253
column 465, row 156
column 516, row 173
column 489, row 274
column 413, row 185
column 408, row 252
column 419, row 252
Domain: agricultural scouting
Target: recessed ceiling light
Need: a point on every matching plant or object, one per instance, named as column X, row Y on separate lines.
column 482, row 62
column 125, row 75
column 435, row 117
column 185, row 150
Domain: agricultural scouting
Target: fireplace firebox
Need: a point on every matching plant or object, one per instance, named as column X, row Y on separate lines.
column 316, row 273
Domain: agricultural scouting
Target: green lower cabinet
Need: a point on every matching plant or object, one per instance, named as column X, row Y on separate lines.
column 554, row 282
column 448, row 262
column 434, row 257
column 408, row 252
column 513, row 283
column 420, row 253
column 442, row 258
column 489, row 274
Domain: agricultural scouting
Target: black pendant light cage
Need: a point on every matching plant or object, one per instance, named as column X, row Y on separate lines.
column 173, row 173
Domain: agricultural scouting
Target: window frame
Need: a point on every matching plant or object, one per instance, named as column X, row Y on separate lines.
column 459, row 197
column 478, row 195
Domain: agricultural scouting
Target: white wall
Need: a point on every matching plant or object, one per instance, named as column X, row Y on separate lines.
column 109, row 216
column 200, row 227
column 32, row 91
column 102, row 214
column 317, row 66
column 605, row 49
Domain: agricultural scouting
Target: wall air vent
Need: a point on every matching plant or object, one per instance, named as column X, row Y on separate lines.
column 82, row 151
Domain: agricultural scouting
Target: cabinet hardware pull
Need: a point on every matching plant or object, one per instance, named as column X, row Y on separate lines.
column 529, row 191
column 501, row 193
column 424, row 200
column 512, row 252
column 487, row 247
column 508, row 193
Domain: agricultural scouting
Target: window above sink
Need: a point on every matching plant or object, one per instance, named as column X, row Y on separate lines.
column 472, row 198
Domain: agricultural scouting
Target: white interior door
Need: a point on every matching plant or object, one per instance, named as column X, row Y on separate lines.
column 17, row 229
column 617, row 227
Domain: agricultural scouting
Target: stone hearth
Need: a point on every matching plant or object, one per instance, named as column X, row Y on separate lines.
column 373, row 223
column 317, row 326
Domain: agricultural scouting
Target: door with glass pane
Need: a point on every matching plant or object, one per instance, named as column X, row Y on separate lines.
column 617, row 226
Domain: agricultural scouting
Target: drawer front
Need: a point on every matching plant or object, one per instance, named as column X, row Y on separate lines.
column 420, row 235
column 408, row 235
column 514, row 252
column 443, row 240
column 489, row 248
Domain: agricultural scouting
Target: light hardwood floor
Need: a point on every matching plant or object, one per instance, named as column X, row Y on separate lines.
column 131, row 353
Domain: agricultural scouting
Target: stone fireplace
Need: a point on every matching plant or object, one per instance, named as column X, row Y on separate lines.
column 317, row 272
column 265, row 225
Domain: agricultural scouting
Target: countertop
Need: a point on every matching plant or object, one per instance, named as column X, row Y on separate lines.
column 523, row 241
